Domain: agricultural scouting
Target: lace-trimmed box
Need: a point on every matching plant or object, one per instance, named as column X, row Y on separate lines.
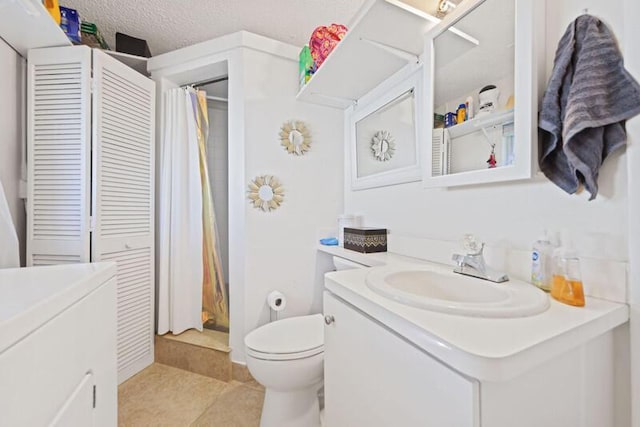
column 365, row 240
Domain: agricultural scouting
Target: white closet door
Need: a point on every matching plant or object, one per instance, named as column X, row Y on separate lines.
column 59, row 132
column 123, row 178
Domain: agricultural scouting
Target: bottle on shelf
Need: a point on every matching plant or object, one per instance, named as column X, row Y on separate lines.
column 461, row 113
column 53, row 7
column 470, row 109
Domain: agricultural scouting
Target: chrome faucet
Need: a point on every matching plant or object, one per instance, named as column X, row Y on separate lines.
column 473, row 264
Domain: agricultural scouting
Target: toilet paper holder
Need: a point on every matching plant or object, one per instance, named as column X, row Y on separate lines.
column 276, row 302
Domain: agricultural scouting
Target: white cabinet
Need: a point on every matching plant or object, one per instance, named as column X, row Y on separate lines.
column 58, row 346
column 508, row 55
column 91, row 179
column 374, row 378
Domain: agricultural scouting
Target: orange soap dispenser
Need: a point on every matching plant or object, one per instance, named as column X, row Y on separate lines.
column 53, row 6
column 567, row 280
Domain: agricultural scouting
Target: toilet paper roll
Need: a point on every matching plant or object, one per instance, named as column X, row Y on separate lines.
column 276, row 301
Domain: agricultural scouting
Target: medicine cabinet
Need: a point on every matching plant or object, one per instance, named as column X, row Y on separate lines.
column 482, row 67
column 384, row 133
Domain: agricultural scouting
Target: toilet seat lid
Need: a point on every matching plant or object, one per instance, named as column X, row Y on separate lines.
column 288, row 336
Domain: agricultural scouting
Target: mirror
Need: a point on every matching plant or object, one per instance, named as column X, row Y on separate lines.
column 295, row 137
column 384, row 141
column 266, row 193
column 482, row 63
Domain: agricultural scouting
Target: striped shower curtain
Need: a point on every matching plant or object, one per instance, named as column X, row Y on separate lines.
column 215, row 302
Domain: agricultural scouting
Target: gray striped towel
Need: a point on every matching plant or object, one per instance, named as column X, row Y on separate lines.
column 589, row 97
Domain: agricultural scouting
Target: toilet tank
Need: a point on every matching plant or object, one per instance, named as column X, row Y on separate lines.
column 345, row 264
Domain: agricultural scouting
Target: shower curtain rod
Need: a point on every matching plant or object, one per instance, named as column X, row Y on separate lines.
column 207, row 82
column 217, row 98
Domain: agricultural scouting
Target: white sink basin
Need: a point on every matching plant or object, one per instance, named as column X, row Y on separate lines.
column 448, row 292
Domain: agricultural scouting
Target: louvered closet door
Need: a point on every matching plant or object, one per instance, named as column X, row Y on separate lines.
column 123, row 117
column 59, row 132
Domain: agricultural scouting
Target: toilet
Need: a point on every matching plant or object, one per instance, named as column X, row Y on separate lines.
column 286, row 357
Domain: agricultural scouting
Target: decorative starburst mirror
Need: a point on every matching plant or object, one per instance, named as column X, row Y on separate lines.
column 266, row 193
column 383, row 145
column 295, row 137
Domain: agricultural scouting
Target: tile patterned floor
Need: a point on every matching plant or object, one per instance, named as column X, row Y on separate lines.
column 162, row 395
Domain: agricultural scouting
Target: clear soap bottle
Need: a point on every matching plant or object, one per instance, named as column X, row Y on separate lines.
column 567, row 286
column 541, row 262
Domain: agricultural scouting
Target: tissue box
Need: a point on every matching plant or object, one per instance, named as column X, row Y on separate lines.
column 132, row 45
column 365, row 240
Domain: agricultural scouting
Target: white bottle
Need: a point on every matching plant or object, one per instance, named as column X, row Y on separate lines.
column 347, row 220
column 541, row 262
column 470, row 109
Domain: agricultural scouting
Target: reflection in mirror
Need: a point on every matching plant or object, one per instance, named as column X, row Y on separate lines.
column 473, row 92
column 383, row 132
column 383, row 145
column 296, row 138
column 385, row 139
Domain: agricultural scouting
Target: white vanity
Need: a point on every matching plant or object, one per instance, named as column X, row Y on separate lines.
column 388, row 363
column 58, row 346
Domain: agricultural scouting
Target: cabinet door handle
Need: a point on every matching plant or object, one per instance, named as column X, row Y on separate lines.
column 329, row 319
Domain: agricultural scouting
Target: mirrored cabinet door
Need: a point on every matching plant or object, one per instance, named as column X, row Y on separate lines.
column 482, row 65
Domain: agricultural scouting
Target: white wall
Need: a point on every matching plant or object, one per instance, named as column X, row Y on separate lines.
column 11, row 115
column 274, row 250
column 632, row 62
column 513, row 214
column 280, row 246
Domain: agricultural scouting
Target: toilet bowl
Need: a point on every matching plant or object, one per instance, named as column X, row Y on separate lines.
column 286, row 357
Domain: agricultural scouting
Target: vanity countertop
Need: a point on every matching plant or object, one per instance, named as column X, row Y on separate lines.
column 30, row 297
column 483, row 348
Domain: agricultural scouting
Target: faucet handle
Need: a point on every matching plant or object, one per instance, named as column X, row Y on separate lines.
column 472, row 245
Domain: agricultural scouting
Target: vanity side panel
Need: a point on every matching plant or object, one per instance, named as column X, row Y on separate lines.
column 374, row 378
column 583, row 387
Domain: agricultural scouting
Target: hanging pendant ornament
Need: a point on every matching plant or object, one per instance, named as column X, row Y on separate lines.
column 492, row 157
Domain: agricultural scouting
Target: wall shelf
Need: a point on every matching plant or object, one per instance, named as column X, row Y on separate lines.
column 382, row 39
column 478, row 123
column 138, row 63
column 26, row 24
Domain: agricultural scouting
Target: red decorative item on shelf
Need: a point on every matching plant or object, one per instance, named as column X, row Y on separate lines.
column 324, row 40
column 492, row 158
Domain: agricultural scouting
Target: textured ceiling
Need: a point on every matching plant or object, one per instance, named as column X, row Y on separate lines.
column 171, row 24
